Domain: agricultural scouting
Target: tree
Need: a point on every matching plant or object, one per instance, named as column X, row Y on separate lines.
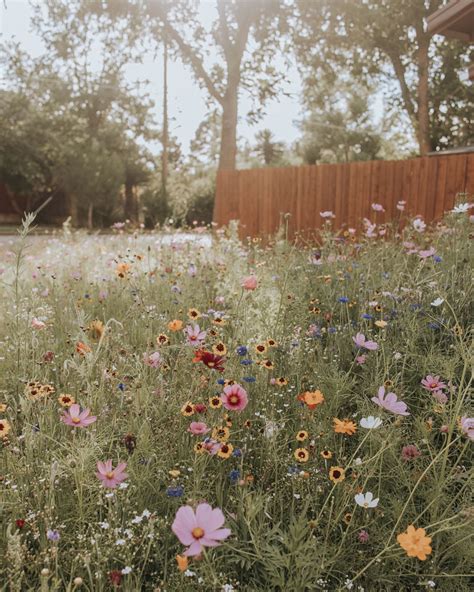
column 379, row 40
column 239, row 23
column 267, row 148
column 339, row 127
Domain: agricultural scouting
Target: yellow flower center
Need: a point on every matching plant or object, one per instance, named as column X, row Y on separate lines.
column 197, row 532
column 76, row 420
column 109, row 475
column 233, row 399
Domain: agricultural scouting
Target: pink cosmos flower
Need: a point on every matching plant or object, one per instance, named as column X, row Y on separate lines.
column 200, row 529
column 109, row 476
column 378, row 207
column 401, row 205
column 37, row 324
column 390, row 402
column 467, row 427
column 194, row 335
column 361, row 342
column 361, row 359
column 440, row 396
column 433, row 383
column 327, row 214
column 211, row 446
column 153, row 360
column 76, row 418
column 424, row 254
column 235, row 397
column 249, row 283
column 198, row 428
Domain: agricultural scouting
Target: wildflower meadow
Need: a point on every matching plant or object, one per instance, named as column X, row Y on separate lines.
column 201, row 413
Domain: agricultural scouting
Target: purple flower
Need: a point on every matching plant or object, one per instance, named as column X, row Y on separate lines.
column 363, row 536
column 361, row 342
column 467, row 427
column 53, row 535
column 153, row 360
column 390, row 402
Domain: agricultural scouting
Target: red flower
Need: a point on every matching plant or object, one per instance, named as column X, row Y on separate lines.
column 209, row 359
column 115, row 577
column 20, row 523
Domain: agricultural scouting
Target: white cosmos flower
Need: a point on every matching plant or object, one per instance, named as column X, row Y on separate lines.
column 437, row 302
column 366, row 500
column 371, row 422
column 461, row 208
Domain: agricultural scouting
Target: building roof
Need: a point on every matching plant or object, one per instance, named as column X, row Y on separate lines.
column 454, row 19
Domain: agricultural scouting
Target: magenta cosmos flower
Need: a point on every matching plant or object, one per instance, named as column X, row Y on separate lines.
column 433, row 383
column 194, row 335
column 200, row 529
column 390, row 402
column 361, row 342
column 109, row 476
column 197, row 428
column 76, row 418
column 234, row 397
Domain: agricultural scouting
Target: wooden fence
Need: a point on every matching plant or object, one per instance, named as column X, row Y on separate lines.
column 259, row 197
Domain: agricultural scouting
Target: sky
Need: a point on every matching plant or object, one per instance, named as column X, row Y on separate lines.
column 187, row 102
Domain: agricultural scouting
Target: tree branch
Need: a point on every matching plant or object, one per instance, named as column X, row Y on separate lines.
column 406, row 95
column 193, row 59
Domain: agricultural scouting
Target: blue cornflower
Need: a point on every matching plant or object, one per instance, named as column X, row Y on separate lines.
column 242, row 350
column 234, row 475
column 237, row 452
column 246, row 362
column 175, row 491
column 434, row 326
column 343, row 299
column 121, row 386
column 221, row 381
column 437, row 258
column 332, row 330
column 367, row 316
column 249, row 379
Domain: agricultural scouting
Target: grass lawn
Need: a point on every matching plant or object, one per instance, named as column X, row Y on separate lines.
column 317, row 399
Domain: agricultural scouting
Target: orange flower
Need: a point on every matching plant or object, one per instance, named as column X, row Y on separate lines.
column 415, row 542
column 343, row 426
column 175, row 325
column 122, row 269
column 311, row 398
column 182, row 562
column 82, row 348
column 96, row 329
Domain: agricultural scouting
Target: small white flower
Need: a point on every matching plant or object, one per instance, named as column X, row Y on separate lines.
column 104, row 525
column 461, row 208
column 227, row 588
column 358, row 461
column 371, row 422
column 123, row 485
column 146, row 513
column 366, row 500
column 120, row 542
column 189, row 574
column 431, row 584
column 418, row 225
column 126, row 570
column 437, row 302
column 137, row 519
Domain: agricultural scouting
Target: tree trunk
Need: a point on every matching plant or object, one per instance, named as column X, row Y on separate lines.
column 90, row 216
column 129, row 209
column 423, row 116
column 74, row 210
column 228, row 148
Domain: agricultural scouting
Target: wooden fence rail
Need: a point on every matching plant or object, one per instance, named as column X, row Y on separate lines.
column 259, row 197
